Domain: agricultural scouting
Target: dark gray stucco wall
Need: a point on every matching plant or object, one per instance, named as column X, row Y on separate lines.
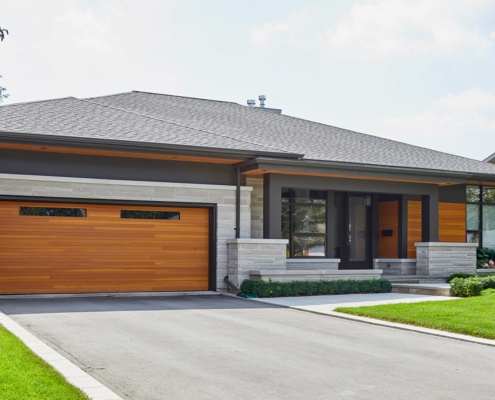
column 99, row 167
column 453, row 194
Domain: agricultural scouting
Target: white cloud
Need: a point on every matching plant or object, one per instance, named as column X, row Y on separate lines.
column 262, row 34
column 456, row 123
column 387, row 27
column 66, row 48
column 288, row 30
column 474, row 99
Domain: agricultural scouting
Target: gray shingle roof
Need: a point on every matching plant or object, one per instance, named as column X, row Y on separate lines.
column 165, row 119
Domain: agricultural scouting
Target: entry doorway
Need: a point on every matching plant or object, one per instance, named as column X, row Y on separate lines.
column 353, row 230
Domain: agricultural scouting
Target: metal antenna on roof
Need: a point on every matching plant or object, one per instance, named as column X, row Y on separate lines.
column 262, row 100
column 251, row 103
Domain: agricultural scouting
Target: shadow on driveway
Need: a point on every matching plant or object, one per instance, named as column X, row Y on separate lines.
column 114, row 303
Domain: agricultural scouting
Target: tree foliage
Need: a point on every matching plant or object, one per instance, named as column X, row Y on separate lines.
column 3, row 32
column 3, row 95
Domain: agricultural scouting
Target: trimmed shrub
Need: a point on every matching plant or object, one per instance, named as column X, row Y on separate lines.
column 462, row 275
column 312, row 288
column 471, row 286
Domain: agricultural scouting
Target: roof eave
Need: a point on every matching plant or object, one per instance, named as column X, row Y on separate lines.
column 330, row 167
column 135, row 146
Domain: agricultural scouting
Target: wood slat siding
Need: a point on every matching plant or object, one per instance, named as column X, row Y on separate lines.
column 389, row 220
column 413, row 226
column 452, row 222
column 102, row 252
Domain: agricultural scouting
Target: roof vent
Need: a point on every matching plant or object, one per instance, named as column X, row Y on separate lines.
column 262, row 100
column 252, row 104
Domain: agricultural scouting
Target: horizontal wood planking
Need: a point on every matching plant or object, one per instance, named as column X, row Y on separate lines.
column 389, row 220
column 414, row 230
column 452, row 222
column 108, row 153
column 102, row 252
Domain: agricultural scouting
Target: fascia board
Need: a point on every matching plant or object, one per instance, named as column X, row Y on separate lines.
column 361, row 169
column 132, row 146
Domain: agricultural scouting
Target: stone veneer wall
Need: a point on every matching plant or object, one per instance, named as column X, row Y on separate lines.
column 324, row 264
column 246, row 255
column 442, row 259
column 256, row 207
column 79, row 188
column 396, row 266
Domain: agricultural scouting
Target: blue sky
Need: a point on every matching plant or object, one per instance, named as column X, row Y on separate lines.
column 417, row 71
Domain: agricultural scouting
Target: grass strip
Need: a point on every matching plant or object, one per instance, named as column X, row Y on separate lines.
column 474, row 316
column 25, row 376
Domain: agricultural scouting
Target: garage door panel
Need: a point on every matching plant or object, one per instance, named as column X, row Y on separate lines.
column 102, row 251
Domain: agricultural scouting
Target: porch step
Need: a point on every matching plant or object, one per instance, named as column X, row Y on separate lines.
column 415, row 279
column 431, row 289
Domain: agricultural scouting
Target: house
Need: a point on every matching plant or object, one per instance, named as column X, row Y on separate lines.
column 150, row 192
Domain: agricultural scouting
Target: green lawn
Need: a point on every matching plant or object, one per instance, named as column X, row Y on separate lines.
column 474, row 316
column 23, row 375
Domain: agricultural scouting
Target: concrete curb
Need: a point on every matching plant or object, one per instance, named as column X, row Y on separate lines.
column 371, row 321
column 404, row 327
column 72, row 373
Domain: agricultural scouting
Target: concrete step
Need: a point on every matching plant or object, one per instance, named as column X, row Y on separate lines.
column 431, row 289
column 415, row 279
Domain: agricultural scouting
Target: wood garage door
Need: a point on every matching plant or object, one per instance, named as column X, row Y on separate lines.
column 75, row 248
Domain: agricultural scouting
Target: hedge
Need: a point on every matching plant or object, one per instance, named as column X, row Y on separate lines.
column 471, row 286
column 311, row 288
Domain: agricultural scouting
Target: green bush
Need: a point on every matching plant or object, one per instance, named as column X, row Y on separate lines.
column 471, row 286
column 462, row 275
column 483, row 256
column 311, row 288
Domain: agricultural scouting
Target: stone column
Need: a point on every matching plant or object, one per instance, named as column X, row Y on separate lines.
column 443, row 259
column 254, row 254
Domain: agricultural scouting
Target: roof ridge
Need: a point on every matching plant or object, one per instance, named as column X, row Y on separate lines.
column 185, row 126
column 184, row 97
column 38, row 101
column 162, row 94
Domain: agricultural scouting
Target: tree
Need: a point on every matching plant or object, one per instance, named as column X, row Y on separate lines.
column 3, row 32
column 3, row 95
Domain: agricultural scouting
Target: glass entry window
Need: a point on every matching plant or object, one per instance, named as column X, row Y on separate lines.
column 304, row 222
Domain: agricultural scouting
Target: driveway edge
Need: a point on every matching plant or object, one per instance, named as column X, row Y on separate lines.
column 72, row 373
column 372, row 321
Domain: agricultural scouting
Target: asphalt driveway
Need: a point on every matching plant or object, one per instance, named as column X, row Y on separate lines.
column 219, row 347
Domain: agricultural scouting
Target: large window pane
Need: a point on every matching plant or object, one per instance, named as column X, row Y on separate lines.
column 488, row 226
column 285, row 221
column 308, row 219
column 472, row 217
column 473, row 194
column 308, row 246
column 473, row 237
column 310, row 196
column 488, row 195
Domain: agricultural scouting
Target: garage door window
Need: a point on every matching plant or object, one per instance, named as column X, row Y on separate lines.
column 53, row 212
column 142, row 214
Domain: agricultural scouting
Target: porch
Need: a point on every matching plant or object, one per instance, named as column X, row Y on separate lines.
column 266, row 259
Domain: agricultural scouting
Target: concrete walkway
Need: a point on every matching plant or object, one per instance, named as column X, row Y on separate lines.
column 327, row 304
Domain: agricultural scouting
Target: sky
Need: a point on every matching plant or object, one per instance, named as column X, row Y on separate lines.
column 417, row 71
